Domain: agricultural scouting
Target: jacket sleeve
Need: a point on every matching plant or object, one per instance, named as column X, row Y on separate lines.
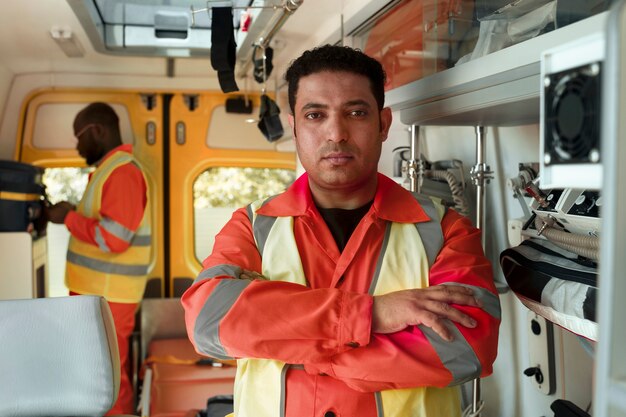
column 417, row 356
column 232, row 312
column 122, row 207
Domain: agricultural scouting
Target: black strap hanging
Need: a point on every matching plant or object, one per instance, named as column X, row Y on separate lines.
column 260, row 74
column 269, row 119
column 223, row 47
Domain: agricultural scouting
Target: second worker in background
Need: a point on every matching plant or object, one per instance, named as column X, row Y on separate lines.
column 110, row 244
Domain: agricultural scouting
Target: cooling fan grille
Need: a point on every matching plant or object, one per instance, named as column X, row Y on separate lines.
column 572, row 122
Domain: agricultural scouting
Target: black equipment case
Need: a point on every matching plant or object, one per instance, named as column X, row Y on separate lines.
column 21, row 197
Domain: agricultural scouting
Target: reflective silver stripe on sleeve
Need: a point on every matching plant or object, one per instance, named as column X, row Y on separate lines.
column 100, row 240
column 380, row 411
column 116, row 229
column 457, row 356
column 262, row 226
column 430, row 232
column 491, row 302
column 108, row 267
column 283, row 388
column 233, row 271
column 122, row 233
column 219, row 303
column 379, row 263
column 141, row 240
column 143, row 235
column 250, row 214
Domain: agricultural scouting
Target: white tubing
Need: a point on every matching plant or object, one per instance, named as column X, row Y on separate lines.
column 587, row 246
column 460, row 203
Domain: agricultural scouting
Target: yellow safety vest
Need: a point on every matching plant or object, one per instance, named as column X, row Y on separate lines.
column 118, row 277
column 260, row 383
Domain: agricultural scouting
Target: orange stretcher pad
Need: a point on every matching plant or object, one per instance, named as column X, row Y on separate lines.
column 179, row 382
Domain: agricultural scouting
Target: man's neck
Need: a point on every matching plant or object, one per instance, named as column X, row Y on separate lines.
column 106, row 154
column 345, row 198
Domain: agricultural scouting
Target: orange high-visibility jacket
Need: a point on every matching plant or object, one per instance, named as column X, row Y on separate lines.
column 307, row 322
column 110, row 245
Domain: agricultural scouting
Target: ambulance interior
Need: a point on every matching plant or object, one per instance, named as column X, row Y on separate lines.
column 510, row 111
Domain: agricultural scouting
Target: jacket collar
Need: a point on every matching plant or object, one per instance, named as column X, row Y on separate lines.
column 126, row 147
column 391, row 202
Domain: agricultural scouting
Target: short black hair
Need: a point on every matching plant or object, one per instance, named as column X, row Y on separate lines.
column 336, row 58
column 101, row 113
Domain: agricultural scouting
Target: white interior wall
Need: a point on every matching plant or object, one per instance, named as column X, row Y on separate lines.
column 398, row 136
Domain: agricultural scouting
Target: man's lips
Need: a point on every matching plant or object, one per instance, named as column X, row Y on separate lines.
column 337, row 157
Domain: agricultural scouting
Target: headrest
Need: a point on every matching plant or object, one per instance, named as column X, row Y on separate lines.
column 161, row 318
column 58, row 357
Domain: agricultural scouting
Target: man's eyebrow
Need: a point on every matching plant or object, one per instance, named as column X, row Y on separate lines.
column 357, row 102
column 313, row 105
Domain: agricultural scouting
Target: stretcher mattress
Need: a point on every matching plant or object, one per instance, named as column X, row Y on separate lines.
column 554, row 283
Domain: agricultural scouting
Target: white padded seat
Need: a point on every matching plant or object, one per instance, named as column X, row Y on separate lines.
column 58, row 357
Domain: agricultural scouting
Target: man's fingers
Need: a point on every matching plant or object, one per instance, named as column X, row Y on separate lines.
column 454, row 294
column 432, row 306
column 445, row 310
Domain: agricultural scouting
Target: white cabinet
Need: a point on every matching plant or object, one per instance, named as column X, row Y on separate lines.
column 499, row 89
column 23, row 271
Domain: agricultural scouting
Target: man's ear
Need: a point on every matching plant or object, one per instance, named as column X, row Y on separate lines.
column 98, row 131
column 385, row 122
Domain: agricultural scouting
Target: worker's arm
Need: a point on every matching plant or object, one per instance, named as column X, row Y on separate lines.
column 418, row 355
column 229, row 315
column 123, row 203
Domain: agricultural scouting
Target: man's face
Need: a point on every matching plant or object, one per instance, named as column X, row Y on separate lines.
column 87, row 144
column 338, row 129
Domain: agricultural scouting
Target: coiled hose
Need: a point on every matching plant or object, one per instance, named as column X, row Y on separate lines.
column 460, row 202
column 587, row 246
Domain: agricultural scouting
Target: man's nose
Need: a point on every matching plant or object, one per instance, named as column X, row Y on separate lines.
column 337, row 129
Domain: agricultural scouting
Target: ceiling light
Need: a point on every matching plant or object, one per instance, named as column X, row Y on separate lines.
column 66, row 40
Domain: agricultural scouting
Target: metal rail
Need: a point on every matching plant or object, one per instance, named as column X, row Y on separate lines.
column 287, row 8
column 481, row 175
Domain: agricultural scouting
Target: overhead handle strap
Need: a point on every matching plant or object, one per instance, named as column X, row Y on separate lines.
column 223, row 47
column 269, row 119
column 263, row 66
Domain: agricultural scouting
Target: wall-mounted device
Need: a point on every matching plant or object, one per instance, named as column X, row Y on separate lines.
column 541, row 353
column 573, row 210
column 570, row 153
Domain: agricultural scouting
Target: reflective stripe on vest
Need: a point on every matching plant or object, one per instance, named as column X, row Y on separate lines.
column 260, row 383
column 119, row 277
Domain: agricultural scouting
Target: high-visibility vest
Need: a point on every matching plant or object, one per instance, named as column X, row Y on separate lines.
column 118, row 277
column 260, row 383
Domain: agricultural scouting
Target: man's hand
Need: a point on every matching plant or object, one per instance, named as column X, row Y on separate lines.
column 428, row 306
column 57, row 213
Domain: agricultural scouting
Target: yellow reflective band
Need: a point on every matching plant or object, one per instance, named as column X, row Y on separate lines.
column 7, row 195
